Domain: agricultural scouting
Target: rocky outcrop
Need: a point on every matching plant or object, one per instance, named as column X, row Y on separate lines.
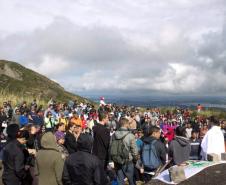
column 6, row 70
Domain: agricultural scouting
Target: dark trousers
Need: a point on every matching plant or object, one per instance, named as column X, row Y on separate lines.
column 126, row 170
column 146, row 177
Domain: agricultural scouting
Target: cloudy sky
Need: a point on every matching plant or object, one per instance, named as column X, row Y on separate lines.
column 122, row 46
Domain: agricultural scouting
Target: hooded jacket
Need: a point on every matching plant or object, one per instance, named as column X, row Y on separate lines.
column 179, row 149
column 49, row 161
column 130, row 141
column 159, row 146
column 81, row 167
column 13, row 162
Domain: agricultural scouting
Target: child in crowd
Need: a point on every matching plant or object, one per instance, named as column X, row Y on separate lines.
column 60, row 144
column 195, row 143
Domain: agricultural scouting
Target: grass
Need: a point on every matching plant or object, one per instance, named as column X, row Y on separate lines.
column 207, row 112
column 218, row 113
column 31, row 85
column 18, row 99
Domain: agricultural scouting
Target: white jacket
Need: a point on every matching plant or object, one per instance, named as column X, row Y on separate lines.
column 213, row 142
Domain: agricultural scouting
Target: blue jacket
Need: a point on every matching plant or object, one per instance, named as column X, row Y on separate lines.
column 23, row 120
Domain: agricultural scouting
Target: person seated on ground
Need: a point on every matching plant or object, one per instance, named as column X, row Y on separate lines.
column 179, row 147
column 195, row 146
column 153, row 152
column 81, row 167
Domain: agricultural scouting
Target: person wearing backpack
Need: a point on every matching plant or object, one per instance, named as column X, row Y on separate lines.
column 123, row 152
column 153, row 152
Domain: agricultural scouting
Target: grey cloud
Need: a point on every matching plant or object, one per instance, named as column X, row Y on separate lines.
column 102, row 57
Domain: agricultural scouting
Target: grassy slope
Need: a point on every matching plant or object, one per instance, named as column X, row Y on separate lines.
column 32, row 85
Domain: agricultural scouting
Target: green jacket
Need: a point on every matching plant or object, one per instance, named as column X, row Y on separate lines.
column 49, row 161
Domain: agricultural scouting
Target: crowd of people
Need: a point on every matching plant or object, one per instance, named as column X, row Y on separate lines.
column 77, row 143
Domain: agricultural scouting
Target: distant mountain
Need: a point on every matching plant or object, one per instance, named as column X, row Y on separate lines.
column 20, row 81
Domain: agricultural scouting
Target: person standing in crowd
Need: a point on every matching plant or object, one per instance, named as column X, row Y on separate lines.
column 213, row 141
column 179, row 147
column 32, row 116
column 146, row 125
column 153, row 152
column 3, row 119
column 49, row 161
column 112, row 123
column 75, row 119
column 33, row 144
column 133, row 123
column 14, row 172
column 77, row 131
column 139, row 142
column 49, row 122
column 101, row 137
column 70, row 140
column 204, row 129
column 188, row 130
column 195, row 146
column 81, row 167
column 125, row 169
column 60, row 138
column 16, row 117
column 24, row 119
column 24, row 108
column 60, row 127
column 63, row 119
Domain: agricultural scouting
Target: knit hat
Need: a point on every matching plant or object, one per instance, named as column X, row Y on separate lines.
column 12, row 130
column 59, row 135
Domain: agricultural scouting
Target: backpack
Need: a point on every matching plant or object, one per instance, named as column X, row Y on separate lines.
column 119, row 152
column 149, row 156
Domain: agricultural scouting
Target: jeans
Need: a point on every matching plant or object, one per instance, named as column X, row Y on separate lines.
column 126, row 170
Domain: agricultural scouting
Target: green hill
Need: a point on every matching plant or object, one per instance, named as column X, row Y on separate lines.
column 17, row 82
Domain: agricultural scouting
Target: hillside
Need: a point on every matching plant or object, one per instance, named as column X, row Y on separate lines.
column 18, row 81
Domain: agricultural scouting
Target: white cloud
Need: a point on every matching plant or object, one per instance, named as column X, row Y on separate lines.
column 171, row 46
column 51, row 65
